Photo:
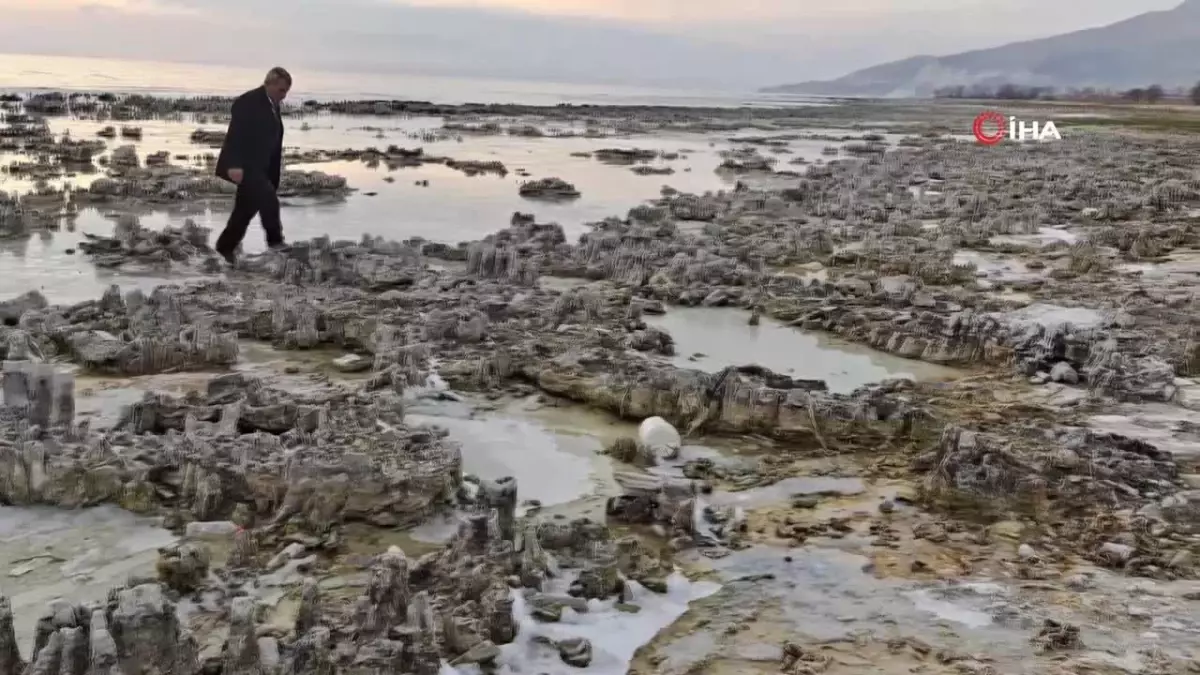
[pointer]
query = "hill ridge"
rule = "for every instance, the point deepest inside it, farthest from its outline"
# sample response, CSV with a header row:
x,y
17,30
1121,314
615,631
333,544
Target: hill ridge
x,y
1160,47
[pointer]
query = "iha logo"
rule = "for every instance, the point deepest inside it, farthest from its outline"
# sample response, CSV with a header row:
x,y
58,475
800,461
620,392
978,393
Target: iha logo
x,y
991,127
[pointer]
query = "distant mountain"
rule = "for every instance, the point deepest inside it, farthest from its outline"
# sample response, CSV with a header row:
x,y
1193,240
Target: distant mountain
x,y
1155,47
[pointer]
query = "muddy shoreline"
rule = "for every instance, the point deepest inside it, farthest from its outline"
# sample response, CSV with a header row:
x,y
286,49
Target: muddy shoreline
x,y
934,400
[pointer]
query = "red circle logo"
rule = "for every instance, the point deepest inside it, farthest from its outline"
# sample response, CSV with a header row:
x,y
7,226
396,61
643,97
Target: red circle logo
x,y
981,124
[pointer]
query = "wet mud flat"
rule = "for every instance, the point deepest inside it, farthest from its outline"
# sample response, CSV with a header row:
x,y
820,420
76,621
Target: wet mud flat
x,y
921,424
879,585
51,553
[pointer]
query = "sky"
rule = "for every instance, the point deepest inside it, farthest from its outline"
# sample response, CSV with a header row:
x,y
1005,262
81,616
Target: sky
x,y
699,44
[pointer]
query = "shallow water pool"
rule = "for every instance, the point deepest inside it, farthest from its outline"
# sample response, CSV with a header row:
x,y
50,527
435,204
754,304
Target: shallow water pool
x,y
712,338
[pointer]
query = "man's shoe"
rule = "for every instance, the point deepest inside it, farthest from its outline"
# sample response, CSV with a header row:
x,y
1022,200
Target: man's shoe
x,y
279,248
229,256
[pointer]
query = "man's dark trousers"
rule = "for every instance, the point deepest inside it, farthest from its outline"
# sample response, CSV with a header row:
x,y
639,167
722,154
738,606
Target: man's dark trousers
x,y
253,144
255,196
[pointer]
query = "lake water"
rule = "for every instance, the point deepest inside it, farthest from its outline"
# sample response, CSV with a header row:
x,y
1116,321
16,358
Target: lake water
x,y
431,200
25,72
712,338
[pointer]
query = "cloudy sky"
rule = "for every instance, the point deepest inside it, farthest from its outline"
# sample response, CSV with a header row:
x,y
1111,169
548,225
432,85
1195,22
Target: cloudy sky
x,y
688,43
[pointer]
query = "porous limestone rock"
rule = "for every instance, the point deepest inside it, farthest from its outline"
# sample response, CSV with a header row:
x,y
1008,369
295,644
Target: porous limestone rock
x,y
310,463
548,188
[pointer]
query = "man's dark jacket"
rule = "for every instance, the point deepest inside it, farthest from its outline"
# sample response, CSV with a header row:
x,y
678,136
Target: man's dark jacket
x,y
254,142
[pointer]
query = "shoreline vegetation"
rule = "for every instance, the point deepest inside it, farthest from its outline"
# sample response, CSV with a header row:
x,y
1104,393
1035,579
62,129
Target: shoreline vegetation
x,y
1150,94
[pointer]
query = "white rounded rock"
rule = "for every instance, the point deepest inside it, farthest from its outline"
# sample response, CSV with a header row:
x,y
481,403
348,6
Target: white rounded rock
x,y
659,436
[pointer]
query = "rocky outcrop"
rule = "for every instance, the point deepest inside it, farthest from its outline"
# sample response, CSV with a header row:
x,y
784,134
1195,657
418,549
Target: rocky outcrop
x,y
126,335
36,210
210,137
183,567
727,402
124,157
43,396
455,605
132,244
13,309
307,463
1069,464
552,189
1119,500
395,157
136,630
898,295
166,184
625,155
11,218
377,298
745,160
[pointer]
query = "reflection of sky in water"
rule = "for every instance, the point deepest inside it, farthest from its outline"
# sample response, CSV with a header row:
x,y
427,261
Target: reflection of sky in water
x,y
453,207
724,338
539,156
551,468
41,262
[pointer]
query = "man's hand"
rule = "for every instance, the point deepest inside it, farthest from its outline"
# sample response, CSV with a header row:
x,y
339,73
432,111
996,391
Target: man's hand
x,y
235,175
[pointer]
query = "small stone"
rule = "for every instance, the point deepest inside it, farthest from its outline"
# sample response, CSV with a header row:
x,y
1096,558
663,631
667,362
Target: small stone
x,y
1123,319
183,567
1182,559
627,607
1065,458
484,652
1009,530
544,600
352,363
1064,373
575,652
805,502
1026,552
1078,582
654,585
1116,553
268,653
216,528
887,506
1055,636
291,551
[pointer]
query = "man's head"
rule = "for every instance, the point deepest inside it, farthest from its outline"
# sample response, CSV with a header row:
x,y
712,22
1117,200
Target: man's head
x,y
278,83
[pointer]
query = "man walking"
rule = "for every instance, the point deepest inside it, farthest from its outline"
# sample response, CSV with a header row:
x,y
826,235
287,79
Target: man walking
x,y
252,158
